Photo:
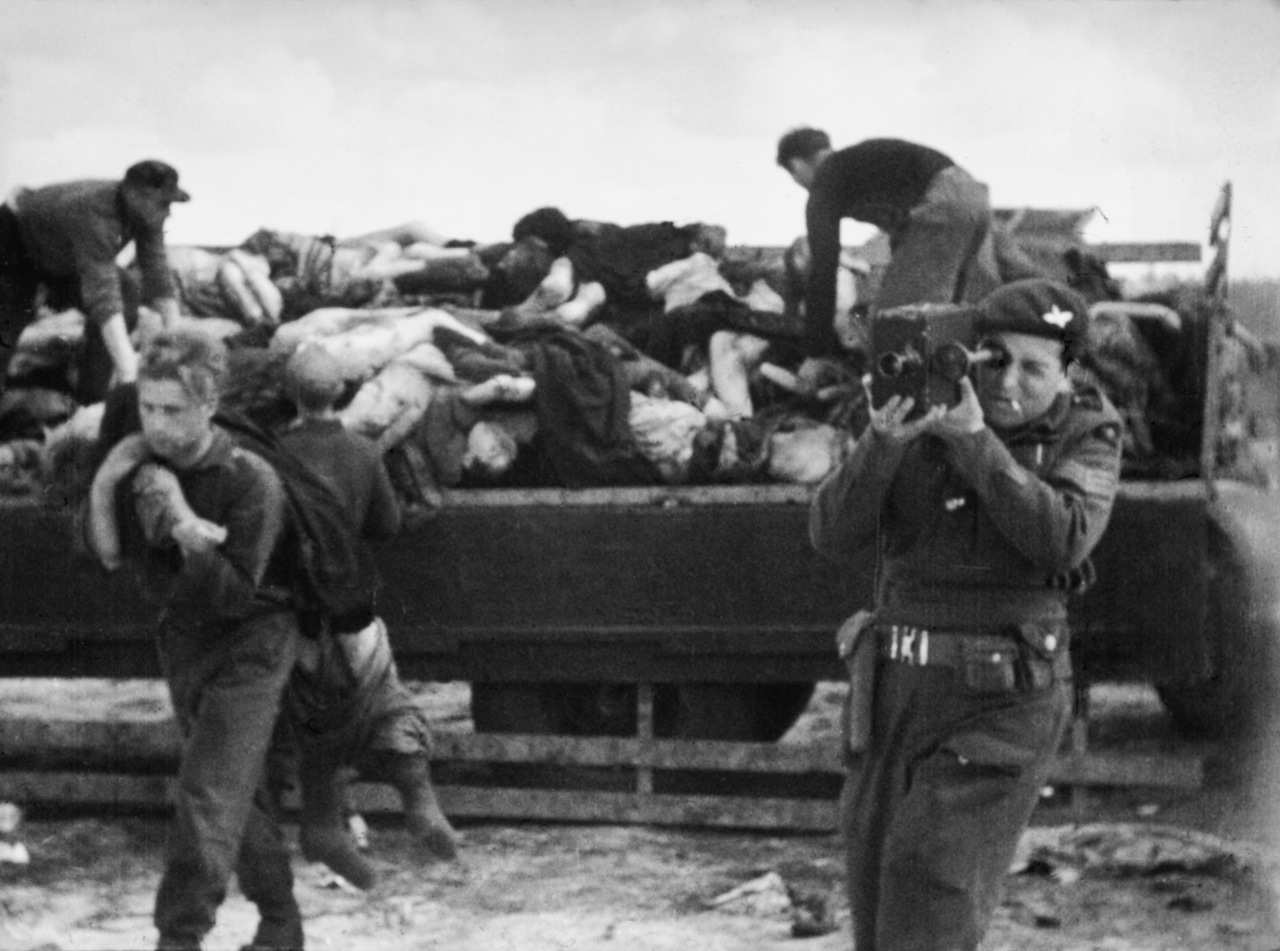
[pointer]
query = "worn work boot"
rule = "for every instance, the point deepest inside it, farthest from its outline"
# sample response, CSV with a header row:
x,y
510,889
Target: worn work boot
x,y
322,834
410,773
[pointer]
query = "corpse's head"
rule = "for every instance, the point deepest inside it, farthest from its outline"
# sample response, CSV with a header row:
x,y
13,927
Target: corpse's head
x,y
490,449
180,380
801,151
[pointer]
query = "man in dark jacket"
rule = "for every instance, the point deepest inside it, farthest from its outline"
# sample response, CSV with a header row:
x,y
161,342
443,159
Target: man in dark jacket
x,y
227,632
984,514
64,238
937,217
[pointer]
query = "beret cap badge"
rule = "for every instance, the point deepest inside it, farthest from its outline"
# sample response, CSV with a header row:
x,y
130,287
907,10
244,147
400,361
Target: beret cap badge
x,y
1058,317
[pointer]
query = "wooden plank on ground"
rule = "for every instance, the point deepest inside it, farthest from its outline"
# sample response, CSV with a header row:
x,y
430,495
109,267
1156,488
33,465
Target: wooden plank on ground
x,y
804,815
134,792
85,789
1164,770
630,751
90,740
104,742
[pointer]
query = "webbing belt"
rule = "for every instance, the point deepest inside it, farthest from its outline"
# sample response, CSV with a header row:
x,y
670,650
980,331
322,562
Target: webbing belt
x,y
919,647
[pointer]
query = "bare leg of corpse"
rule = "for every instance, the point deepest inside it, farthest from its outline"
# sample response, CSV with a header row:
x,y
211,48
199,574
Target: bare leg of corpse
x,y
556,289
397,737
732,357
590,297
411,232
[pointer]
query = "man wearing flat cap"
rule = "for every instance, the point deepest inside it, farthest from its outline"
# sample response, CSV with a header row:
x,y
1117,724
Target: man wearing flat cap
x,y
64,238
983,515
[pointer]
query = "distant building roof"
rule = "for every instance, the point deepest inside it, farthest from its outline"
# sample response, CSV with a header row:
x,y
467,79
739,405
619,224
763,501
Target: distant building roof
x,y
1058,221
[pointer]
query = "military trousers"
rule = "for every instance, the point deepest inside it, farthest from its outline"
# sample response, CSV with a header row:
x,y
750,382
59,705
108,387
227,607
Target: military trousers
x,y
226,696
945,253
932,811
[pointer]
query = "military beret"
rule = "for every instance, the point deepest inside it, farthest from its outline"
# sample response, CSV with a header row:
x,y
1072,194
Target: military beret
x,y
1037,307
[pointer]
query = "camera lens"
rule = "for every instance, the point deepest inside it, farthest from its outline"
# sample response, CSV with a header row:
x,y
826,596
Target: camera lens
x,y
894,365
891,365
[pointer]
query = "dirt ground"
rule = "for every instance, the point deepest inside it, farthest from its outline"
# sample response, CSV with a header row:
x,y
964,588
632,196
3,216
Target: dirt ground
x,y
1127,869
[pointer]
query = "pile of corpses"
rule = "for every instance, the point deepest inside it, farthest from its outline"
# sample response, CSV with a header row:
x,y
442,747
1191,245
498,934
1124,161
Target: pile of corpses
x,y
577,354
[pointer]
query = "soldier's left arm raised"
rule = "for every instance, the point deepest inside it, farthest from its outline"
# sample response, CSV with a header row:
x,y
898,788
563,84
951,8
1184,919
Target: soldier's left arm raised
x,y
1055,514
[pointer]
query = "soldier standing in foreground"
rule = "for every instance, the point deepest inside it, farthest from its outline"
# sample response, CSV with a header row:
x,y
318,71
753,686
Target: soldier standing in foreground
x,y
981,514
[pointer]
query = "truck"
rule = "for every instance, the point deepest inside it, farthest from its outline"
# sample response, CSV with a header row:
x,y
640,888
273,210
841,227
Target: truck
x,y
562,607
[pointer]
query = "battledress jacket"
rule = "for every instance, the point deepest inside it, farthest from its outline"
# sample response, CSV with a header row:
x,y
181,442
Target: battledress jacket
x,y
973,534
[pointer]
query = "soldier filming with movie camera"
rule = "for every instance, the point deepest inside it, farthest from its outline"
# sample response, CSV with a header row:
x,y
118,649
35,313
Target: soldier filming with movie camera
x,y
985,479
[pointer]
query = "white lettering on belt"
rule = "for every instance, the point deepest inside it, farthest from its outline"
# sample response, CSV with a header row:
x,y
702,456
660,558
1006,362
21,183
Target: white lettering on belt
x,y
908,643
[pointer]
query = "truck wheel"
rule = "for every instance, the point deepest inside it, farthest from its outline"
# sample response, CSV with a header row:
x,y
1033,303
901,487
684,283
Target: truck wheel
x,y
1232,701
743,712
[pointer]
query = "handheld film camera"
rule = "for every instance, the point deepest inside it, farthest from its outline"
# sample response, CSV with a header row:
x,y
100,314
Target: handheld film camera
x,y
924,351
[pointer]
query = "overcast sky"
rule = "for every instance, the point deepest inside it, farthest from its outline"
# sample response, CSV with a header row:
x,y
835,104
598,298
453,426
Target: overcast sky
x,y
342,116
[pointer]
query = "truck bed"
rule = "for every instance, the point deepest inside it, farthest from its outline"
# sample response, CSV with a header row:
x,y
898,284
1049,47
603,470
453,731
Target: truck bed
x,y
618,585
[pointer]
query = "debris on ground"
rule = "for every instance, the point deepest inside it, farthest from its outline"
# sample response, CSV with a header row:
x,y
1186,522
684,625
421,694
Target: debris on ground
x,y
12,850
1123,849
771,896
764,897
